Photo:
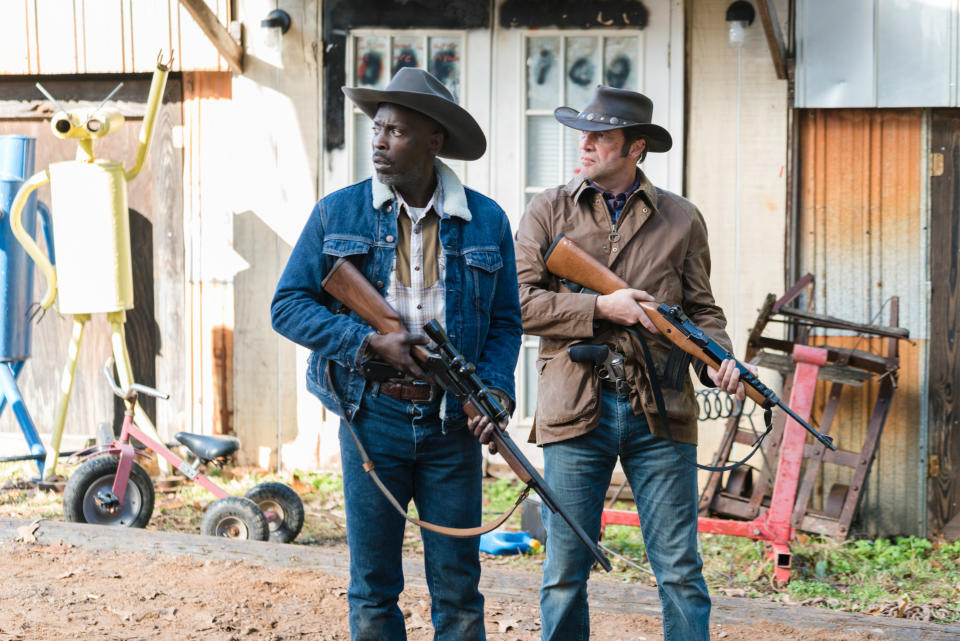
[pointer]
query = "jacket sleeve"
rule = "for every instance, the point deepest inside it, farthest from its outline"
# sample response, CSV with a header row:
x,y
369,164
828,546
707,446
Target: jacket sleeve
x,y
300,309
698,301
547,313
498,358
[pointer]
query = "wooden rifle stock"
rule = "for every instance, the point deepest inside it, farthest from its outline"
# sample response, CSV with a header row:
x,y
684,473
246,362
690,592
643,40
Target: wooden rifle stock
x,y
350,287
569,261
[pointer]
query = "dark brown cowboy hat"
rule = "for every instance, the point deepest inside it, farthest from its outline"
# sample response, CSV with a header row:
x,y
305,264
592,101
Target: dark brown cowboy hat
x,y
612,108
418,90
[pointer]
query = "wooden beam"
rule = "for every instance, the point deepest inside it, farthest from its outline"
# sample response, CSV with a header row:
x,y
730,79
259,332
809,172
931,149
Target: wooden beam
x,y
771,27
231,51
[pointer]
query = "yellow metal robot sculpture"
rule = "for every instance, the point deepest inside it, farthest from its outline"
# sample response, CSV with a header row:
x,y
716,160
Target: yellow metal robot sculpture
x,y
94,271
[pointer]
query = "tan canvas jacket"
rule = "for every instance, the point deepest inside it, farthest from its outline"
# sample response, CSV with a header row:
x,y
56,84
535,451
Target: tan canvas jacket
x,y
660,246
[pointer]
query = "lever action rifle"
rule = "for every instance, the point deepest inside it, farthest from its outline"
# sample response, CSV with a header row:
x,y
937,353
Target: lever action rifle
x,y
569,261
451,371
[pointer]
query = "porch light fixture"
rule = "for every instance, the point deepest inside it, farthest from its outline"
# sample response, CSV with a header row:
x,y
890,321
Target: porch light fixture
x,y
740,15
278,18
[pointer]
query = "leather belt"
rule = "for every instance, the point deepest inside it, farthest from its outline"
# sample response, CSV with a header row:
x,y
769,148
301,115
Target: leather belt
x,y
416,391
621,387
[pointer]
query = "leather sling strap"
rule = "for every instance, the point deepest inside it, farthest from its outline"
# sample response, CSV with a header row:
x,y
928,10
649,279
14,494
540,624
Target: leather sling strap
x,y
662,411
457,532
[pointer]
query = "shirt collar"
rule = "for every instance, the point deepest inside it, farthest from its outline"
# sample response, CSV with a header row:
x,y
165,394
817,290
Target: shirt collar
x,y
580,185
454,195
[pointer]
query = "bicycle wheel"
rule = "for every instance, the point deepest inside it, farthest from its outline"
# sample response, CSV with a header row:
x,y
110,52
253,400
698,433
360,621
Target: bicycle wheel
x,y
282,507
88,486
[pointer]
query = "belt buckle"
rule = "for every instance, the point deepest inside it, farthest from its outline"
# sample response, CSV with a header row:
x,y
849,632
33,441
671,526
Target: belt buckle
x,y
623,387
433,391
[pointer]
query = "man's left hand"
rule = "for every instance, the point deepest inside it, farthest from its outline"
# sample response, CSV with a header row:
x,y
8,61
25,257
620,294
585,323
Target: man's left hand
x,y
727,377
482,428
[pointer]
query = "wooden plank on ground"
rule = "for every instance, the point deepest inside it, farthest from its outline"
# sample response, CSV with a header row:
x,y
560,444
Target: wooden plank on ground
x,y
605,596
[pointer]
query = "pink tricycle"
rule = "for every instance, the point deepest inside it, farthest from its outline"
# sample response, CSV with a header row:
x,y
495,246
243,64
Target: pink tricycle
x,y
110,488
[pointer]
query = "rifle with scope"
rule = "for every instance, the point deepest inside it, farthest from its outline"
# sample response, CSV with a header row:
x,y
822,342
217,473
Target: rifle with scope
x,y
567,260
452,372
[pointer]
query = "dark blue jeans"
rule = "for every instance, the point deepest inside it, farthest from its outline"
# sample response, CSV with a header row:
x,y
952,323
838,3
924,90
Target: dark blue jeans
x,y
665,489
441,473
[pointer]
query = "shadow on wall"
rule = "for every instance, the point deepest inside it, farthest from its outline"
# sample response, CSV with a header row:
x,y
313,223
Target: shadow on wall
x,y
264,363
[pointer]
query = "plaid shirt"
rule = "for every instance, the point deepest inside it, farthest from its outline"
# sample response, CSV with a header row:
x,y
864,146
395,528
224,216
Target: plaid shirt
x,y
416,279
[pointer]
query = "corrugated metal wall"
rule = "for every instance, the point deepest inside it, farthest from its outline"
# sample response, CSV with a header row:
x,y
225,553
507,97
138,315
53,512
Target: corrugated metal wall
x,y
103,36
863,234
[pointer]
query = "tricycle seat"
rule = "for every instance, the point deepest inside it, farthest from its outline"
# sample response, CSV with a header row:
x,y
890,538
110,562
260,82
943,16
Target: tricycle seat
x,y
207,448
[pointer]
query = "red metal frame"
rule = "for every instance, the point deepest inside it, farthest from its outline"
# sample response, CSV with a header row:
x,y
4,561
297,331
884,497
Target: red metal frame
x,y
773,524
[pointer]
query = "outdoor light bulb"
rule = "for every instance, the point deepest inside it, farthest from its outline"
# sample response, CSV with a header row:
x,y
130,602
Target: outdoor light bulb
x,y
736,33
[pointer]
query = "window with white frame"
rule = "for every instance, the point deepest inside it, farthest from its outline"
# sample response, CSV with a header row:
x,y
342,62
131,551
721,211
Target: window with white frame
x,y
563,69
375,56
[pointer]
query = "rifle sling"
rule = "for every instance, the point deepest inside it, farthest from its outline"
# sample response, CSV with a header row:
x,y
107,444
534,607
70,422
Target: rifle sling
x,y
456,532
665,423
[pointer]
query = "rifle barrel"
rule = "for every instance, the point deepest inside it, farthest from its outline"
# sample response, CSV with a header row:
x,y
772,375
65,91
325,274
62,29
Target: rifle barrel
x,y
823,438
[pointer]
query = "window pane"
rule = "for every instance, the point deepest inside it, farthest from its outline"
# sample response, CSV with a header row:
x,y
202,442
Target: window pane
x,y
445,62
371,62
543,73
363,145
582,70
407,52
543,151
620,63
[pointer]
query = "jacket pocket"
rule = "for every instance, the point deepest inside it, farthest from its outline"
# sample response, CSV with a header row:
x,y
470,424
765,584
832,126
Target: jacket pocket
x,y
566,391
340,246
483,266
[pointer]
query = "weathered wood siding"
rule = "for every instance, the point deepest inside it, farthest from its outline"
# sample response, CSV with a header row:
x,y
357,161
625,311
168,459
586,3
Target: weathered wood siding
x,y
863,234
103,36
943,497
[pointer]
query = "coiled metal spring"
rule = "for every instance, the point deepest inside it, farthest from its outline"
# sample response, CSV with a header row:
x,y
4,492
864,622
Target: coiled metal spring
x,y
714,403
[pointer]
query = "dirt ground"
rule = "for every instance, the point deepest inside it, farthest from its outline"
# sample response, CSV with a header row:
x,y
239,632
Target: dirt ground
x,y
54,592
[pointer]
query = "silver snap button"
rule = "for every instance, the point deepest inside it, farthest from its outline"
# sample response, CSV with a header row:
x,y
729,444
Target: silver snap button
x,y
389,207
614,120
379,283
590,116
389,239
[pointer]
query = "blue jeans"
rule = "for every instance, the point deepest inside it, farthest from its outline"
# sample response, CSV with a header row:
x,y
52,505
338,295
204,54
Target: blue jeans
x,y
441,473
665,489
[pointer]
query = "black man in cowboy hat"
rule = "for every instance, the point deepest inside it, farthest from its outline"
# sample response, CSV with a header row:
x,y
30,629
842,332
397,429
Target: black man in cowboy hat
x,y
656,241
435,250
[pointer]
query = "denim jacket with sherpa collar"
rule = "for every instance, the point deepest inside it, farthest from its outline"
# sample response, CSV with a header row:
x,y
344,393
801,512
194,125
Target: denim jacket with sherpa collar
x,y
360,222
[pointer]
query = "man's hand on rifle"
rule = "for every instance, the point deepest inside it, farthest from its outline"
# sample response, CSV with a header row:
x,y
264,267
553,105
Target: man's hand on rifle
x,y
482,428
395,349
623,307
727,377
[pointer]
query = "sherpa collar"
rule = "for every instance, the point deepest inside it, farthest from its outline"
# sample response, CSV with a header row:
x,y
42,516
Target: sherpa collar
x,y
454,201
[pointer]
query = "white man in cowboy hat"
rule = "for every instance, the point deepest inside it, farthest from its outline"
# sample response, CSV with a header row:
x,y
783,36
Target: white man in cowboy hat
x,y
656,241
435,250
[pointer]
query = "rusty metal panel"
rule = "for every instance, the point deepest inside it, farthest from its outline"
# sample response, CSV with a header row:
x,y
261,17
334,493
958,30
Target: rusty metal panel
x,y
862,228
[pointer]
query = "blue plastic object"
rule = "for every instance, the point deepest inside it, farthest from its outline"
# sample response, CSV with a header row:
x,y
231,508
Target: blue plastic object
x,y
507,543
17,155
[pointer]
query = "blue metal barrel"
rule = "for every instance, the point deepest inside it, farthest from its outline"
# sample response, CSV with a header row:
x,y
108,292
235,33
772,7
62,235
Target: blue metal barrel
x,y
17,155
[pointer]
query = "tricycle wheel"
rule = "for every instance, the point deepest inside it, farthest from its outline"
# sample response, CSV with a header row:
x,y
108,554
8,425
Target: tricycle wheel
x,y
235,517
86,497
282,507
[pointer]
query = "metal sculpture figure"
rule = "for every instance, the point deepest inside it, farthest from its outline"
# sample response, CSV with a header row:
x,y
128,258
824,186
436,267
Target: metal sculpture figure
x,y
94,265
17,155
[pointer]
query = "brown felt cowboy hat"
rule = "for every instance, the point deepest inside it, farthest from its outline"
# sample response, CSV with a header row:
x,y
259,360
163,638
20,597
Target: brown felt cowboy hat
x,y
612,108
418,90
